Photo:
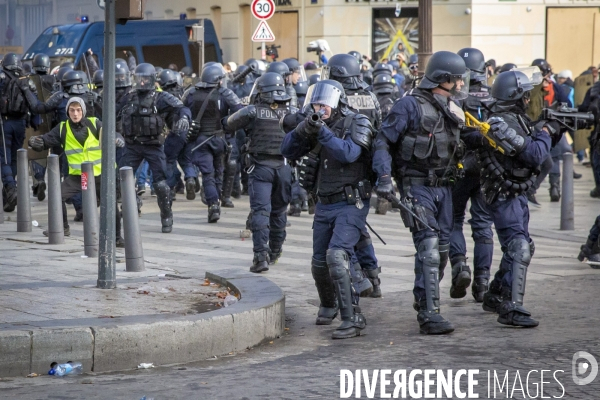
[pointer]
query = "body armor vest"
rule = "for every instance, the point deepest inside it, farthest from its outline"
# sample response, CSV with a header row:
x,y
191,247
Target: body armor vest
x,y
503,174
141,121
211,119
333,175
434,147
474,103
266,135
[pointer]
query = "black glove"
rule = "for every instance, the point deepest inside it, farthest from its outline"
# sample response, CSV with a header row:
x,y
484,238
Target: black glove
x,y
119,142
497,124
183,125
385,187
55,100
36,143
554,130
193,132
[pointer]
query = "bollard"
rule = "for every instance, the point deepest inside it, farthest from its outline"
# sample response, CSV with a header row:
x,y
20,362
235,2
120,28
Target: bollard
x,y
90,210
567,205
134,254
56,228
23,191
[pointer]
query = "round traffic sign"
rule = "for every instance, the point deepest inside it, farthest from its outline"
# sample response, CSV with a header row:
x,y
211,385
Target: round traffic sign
x,y
263,9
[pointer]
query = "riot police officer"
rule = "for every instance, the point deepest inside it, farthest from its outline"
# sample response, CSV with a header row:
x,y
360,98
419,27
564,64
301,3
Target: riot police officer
x,y
141,114
421,135
282,69
342,141
469,188
505,178
209,102
98,81
344,69
269,175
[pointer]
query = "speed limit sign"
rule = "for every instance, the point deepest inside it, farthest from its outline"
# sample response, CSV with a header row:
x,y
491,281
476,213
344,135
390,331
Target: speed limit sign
x,y
262,9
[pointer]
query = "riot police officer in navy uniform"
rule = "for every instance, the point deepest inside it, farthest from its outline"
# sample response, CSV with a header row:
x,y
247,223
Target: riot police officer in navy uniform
x,y
420,145
505,178
469,188
214,102
342,140
141,114
269,174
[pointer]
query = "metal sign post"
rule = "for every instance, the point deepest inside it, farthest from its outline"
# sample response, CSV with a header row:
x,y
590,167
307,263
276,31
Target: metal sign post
x,y
263,10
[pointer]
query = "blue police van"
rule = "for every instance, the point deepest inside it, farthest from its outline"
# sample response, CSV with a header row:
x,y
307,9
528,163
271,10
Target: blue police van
x,y
158,42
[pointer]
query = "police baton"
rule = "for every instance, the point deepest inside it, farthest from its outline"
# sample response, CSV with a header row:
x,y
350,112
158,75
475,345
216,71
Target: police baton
x,y
201,144
398,204
3,137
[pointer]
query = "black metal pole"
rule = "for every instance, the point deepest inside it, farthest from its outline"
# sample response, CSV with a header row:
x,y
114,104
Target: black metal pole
x,y
106,259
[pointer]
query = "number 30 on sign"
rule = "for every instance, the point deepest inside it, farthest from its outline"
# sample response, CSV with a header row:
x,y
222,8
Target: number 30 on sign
x,y
262,9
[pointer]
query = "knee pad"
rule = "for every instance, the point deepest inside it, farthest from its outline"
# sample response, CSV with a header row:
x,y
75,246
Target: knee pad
x,y
337,261
519,250
428,251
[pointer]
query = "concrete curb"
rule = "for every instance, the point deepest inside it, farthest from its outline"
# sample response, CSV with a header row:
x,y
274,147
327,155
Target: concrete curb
x,y
108,345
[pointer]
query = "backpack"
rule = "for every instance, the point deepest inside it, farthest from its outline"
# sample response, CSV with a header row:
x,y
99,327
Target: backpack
x,y
12,101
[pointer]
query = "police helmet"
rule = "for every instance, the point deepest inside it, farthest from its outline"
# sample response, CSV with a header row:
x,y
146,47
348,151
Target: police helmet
x,y
158,71
11,62
382,84
413,59
443,66
507,67
475,62
98,78
326,92
271,88
301,87
313,79
167,77
356,55
253,62
121,61
61,72
542,65
292,64
187,71
381,68
122,75
511,86
73,82
280,68
212,74
41,63
395,64
144,77
68,64
343,66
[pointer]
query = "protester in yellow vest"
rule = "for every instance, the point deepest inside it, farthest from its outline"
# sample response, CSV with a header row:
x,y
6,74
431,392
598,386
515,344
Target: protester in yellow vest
x,y
80,138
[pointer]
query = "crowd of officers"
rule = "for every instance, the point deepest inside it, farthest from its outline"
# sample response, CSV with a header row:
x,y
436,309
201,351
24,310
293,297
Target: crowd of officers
x,y
322,144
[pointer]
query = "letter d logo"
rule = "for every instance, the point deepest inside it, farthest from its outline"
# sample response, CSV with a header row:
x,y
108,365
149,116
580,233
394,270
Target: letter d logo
x,y
580,368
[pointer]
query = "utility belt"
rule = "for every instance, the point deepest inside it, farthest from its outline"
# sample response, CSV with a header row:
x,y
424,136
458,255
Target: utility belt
x,y
13,117
449,178
352,194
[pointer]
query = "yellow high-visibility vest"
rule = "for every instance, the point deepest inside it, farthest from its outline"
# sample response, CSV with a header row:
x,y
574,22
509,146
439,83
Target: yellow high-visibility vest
x,y
76,153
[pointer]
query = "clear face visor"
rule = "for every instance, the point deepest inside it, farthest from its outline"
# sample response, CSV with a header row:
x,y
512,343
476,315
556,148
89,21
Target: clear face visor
x,y
460,86
325,72
322,94
78,89
302,74
179,80
143,82
534,74
122,80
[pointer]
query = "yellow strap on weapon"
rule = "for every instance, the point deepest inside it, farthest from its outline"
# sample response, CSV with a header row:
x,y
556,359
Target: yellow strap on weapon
x,y
483,128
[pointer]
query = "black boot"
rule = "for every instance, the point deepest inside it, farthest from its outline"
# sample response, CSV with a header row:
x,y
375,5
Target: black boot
x,y
362,285
461,277
304,206
274,255
190,189
164,203
590,253
328,309
492,298
373,276
479,288
352,319
214,213
295,208
531,198
554,187
260,263
512,313
41,190
227,203
78,215
595,193
10,201
382,206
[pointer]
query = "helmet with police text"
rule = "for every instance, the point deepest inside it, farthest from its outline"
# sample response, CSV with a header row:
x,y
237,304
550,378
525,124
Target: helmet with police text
x,y
41,63
212,74
167,78
511,86
326,92
447,67
271,88
98,79
475,62
542,65
11,62
382,84
144,77
74,82
280,68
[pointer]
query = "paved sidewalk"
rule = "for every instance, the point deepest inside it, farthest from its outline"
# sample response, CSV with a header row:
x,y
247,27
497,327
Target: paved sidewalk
x,y
305,362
